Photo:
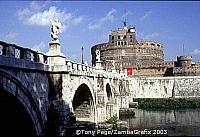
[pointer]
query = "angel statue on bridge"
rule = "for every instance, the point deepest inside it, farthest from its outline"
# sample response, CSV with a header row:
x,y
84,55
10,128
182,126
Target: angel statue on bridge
x,y
55,29
97,55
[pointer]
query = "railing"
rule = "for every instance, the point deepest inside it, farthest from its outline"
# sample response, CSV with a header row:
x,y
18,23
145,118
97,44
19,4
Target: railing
x,y
78,67
12,50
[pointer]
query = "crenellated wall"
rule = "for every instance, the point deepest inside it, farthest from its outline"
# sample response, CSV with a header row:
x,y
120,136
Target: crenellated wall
x,y
164,87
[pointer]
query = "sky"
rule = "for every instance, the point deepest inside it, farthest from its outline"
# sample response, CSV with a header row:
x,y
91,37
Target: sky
x,y
87,23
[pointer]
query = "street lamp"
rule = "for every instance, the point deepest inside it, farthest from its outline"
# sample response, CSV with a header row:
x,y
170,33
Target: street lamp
x,y
82,55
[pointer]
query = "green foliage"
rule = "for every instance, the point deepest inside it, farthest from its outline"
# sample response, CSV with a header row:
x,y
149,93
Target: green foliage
x,y
112,120
168,103
115,124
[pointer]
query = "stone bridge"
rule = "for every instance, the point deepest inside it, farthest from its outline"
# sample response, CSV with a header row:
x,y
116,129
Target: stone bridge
x,y
43,92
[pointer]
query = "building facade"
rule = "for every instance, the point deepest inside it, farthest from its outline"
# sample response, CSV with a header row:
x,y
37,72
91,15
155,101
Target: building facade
x,y
124,51
145,58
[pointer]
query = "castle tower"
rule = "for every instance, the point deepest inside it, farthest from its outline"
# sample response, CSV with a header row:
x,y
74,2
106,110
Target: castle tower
x,y
123,37
184,61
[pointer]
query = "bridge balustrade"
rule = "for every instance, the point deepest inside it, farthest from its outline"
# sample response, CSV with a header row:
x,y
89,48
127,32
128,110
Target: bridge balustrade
x,y
12,50
79,66
79,69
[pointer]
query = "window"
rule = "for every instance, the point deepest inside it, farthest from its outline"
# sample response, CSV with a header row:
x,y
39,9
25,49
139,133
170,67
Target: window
x,y
125,43
152,44
124,36
131,36
118,42
122,43
118,37
112,41
112,37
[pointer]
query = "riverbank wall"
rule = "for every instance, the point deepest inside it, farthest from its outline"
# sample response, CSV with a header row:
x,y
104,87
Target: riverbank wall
x,y
164,87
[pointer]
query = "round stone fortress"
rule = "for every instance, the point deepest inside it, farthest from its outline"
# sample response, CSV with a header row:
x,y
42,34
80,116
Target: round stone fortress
x,y
124,51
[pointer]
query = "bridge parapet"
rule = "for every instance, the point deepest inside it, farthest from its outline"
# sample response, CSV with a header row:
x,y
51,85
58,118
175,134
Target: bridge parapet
x,y
14,51
74,68
79,68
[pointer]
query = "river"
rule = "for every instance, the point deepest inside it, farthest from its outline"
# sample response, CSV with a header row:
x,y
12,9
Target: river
x,y
184,122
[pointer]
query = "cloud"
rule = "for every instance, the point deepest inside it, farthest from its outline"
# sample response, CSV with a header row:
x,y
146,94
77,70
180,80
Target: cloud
x,y
35,6
99,22
39,47
78,20
38,15
152,35
146,15
126,14
11,35
196,52
43,18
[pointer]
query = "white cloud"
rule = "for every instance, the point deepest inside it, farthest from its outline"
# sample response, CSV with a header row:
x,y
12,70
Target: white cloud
x,y
196,52
99,22
126,14
39,47
78,20
37,15
11,35
146,15
152,35
22,13
35,6
43,18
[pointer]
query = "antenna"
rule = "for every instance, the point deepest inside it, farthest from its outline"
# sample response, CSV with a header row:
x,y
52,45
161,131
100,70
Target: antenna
x,y
183,50
125,20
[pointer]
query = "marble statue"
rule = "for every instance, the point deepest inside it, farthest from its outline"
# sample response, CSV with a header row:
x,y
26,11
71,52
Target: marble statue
x,y
113,64
97,55
55,29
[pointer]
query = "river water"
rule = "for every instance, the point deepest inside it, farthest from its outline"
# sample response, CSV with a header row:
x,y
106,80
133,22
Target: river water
x,y
184,122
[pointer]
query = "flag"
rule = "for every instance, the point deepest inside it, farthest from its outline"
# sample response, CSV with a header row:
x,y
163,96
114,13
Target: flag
x,y
129,71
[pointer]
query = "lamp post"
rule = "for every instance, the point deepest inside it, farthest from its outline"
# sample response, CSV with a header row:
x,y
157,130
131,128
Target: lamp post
x,y
82,55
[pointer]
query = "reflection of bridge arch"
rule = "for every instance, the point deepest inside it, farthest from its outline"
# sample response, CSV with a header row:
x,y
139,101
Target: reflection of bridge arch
x,y
84,103
19,97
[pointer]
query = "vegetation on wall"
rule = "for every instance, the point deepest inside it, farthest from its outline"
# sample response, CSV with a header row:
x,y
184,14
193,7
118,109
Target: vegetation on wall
x,y
168,103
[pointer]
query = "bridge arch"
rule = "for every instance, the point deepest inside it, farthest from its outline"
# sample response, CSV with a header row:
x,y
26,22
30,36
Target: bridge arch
x,y
13,92
108,91
84,102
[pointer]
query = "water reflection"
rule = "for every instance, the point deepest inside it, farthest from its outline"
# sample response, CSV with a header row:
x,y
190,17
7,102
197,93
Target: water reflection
x,y
185,122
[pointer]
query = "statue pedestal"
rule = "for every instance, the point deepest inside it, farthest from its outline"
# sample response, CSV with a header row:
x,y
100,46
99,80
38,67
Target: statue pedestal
x,y
54,46
54,55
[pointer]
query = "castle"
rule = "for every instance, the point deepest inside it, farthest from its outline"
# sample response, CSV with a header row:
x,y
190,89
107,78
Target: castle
x,y
123,52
